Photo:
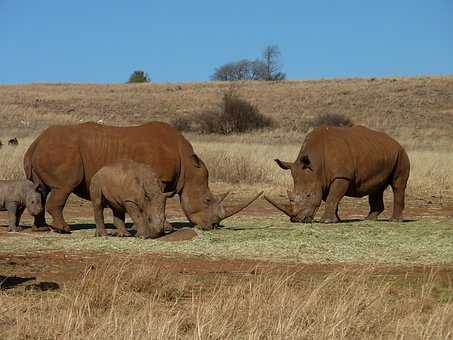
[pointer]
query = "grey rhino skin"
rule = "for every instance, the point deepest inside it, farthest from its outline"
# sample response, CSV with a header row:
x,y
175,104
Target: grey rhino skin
x,y
132,187
15,196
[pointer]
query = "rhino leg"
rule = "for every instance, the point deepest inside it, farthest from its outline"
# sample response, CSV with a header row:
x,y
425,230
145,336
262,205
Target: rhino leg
x,y
399,190
55,205
338,189
99,219
100,226
376,201
97,200
14,214
40,223
119,217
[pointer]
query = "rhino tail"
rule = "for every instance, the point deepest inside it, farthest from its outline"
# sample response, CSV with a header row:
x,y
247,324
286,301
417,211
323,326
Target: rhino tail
x,y
27,159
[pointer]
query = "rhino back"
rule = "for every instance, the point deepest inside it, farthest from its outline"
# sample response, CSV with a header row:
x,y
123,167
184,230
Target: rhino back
x,y
14,191
125,180
366,157
86,148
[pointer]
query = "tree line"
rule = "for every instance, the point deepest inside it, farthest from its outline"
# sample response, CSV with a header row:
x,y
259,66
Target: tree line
x,y
267,68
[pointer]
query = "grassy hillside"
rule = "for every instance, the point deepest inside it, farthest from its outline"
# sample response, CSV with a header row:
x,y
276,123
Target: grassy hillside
x,y
414,109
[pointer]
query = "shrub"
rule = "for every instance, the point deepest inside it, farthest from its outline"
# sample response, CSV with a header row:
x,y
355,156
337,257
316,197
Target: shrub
x,y
182,123
330,119
235,115
139,77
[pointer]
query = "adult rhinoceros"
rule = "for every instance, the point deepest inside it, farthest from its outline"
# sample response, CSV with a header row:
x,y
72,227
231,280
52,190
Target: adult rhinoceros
x,y
351,161
63,159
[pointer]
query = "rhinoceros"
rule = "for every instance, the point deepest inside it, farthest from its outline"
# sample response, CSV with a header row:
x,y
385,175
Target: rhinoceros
x,y
63,159
132,187
15,196
345,161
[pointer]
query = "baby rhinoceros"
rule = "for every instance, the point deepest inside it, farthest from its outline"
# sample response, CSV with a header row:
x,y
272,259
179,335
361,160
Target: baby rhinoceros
x,y
15,196
132,187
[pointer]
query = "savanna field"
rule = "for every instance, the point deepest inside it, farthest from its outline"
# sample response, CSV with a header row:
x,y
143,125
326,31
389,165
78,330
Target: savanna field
x,y
260,276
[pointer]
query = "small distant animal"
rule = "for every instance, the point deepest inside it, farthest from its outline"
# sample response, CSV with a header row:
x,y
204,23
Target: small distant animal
x,y
132,187
15,196
13,142
1,144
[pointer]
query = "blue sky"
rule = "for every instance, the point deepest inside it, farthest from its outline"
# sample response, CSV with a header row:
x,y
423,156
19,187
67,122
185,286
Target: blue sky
x,y
102,41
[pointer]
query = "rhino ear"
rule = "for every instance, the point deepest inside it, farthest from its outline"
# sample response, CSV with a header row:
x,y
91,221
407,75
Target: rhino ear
x,y
134,202
196,161
284,165
306,163
39,188
147,196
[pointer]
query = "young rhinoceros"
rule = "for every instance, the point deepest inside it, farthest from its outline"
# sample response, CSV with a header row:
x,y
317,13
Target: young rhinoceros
x,y
132,187
15,196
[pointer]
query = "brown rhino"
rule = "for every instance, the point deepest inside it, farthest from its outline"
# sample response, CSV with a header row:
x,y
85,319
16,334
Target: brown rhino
x,y
63,159
132,187
353,161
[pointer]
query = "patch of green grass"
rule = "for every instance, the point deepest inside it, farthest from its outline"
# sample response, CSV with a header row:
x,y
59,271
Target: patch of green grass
x,y
425,241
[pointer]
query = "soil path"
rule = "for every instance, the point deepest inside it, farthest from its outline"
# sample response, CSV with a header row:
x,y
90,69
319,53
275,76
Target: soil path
x,y
63,267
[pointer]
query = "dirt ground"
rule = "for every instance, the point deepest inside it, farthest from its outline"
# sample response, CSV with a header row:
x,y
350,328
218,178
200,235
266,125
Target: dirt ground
x,y
21,270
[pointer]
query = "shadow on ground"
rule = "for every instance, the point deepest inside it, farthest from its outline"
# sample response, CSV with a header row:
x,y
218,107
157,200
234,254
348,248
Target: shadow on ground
x,y
9,282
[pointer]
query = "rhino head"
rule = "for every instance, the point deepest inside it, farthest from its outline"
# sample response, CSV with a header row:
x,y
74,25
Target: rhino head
x,y
305,198
33,199
199,204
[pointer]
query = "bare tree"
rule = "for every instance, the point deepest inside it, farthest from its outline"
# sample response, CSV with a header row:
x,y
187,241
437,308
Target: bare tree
x,y
267,68
240,70
271,59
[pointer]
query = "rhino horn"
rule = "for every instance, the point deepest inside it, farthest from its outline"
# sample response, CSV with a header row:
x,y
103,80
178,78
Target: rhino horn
x,y
286,208
221,197
234,209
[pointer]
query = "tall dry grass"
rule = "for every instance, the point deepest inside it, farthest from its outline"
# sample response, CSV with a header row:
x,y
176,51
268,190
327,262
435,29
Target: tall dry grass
x,y
251,163
12,159
130,300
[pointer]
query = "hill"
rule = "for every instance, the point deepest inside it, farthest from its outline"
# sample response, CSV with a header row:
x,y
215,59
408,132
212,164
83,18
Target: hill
x,y
416,110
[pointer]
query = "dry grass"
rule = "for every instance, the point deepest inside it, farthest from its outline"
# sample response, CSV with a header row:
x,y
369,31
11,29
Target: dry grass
x,y
420,241
248,162
135,300
12,159
414,109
